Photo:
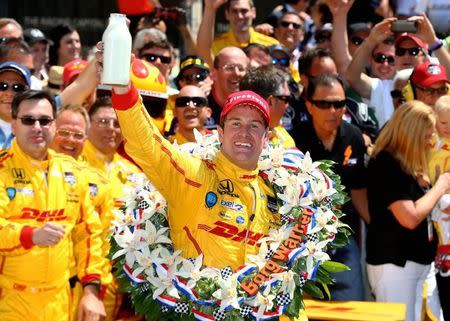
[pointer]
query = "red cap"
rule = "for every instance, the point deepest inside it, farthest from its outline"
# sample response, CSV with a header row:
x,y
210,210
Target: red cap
x,y
417,40
246,97
427,74
72,69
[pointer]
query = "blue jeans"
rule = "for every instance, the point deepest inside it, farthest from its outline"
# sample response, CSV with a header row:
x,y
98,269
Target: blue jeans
x,y
349,284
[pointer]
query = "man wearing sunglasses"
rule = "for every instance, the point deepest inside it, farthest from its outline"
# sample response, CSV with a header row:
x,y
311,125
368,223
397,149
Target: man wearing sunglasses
x,y
327,136
14,79
47,222
194,71
191,111
159,53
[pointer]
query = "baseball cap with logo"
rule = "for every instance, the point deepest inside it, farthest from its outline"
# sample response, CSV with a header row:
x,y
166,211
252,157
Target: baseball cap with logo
x,y
34,35
72,69
248,98
428,73
17,68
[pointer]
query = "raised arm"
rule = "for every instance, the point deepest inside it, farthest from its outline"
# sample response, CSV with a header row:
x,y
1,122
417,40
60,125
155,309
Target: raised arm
x,y
426,31
339,37
82,87
355,74
205,34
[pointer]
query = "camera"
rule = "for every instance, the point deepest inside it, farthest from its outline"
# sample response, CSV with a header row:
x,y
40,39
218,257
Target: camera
x,y
165,14
404,26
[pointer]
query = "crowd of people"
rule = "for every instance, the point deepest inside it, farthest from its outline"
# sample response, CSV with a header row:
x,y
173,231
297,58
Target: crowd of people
x,y
370,96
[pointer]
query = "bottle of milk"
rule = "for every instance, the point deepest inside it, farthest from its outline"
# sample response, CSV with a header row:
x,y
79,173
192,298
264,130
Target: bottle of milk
x,y
116,51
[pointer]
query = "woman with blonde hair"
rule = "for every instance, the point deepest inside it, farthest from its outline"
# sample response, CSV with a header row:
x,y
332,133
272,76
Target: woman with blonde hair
x,y
400,239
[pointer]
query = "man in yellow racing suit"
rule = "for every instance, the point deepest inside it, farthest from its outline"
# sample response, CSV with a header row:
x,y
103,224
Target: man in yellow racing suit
x,y
44,203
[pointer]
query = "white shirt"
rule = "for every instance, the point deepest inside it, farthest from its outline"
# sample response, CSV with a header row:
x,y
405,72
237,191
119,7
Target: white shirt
x,y
381,100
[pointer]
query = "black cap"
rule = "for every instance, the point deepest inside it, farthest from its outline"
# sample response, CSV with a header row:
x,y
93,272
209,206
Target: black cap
x,y
33,35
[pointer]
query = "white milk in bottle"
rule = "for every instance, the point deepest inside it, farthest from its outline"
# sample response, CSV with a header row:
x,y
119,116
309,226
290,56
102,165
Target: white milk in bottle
x,y
116,51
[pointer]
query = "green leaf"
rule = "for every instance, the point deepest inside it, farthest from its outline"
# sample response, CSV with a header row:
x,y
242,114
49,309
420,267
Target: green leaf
x,y
333,267
313,290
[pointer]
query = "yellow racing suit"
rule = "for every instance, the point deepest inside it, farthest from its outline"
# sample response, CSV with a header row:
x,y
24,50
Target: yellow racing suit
x,y
34,279
282,137
119,172
215,208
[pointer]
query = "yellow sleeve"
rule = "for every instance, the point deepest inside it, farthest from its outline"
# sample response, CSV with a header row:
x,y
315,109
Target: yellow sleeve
x,y
163,164
15,238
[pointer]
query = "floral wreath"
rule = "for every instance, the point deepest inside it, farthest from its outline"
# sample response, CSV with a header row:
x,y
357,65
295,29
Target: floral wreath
x,y
291,259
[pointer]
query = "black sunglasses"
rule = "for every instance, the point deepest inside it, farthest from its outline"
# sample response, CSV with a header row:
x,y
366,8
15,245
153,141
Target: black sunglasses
x,y
414,51
30,121
356,40
152,58
18,88
382,58
195,77
196,101
286,24
396,93
282,61
325,104
322,37
284,98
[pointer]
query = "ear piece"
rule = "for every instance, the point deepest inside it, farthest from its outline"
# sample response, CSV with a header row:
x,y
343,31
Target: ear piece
x,y
408,92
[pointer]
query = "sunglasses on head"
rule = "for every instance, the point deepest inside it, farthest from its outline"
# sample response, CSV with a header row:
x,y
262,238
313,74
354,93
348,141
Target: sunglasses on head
x,y
195,77
18,88
186,101
382,58
286,24
30,121
325,104
414,51
282,61
356,40
152,58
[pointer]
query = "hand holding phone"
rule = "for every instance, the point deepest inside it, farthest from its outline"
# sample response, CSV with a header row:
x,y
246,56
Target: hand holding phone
x,y
404,26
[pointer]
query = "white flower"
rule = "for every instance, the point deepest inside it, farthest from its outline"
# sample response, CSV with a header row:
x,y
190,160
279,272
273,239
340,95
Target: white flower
x,y
314,253
145,260
260,258
323,221
307,165
194,272
276,237
264,301
129,243
163,282
151,236
287,282
227,294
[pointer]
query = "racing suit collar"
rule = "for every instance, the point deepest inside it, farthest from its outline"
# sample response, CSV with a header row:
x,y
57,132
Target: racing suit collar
x,y
29,162
233,171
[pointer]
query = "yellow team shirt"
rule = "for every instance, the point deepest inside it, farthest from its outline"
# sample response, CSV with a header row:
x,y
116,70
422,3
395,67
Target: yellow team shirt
x,y
228,39
282,137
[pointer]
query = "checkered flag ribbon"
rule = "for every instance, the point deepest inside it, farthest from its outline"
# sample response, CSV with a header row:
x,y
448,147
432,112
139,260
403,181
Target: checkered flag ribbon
x,y
312,237
245,310
269,254
144,288
283,299
226,272
143,204
181,307
302,280
164,309
219,315
284,218
147,187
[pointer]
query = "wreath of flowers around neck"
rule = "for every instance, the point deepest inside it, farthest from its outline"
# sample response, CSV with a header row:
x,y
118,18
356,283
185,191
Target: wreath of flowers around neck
x,y
291,260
